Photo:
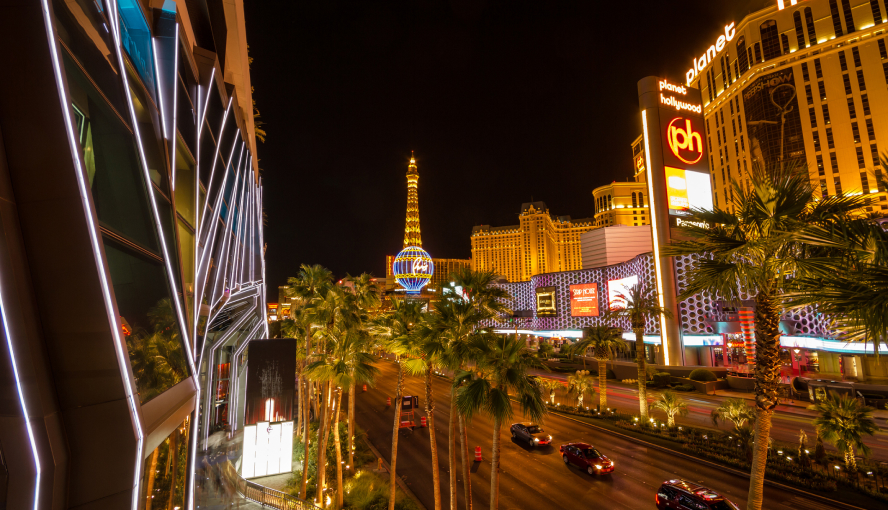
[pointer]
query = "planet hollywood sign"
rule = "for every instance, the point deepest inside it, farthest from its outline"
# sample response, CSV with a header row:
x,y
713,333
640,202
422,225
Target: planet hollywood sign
x,y
704,60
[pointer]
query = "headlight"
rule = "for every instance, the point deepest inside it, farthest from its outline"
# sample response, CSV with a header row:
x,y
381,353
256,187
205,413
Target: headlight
x,y
613,463
549,438
536,440
597,466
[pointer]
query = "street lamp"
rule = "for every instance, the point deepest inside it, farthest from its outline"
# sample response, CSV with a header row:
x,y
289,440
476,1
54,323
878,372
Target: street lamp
x,y
798,358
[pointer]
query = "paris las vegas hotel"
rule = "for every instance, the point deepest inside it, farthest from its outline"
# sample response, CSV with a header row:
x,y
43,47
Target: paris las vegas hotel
x,y
813,70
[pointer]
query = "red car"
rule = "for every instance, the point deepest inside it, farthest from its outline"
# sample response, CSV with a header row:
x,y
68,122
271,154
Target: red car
x,y
684,495
587,457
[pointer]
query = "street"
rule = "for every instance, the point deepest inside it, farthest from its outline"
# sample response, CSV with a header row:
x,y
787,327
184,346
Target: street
x,y
536,478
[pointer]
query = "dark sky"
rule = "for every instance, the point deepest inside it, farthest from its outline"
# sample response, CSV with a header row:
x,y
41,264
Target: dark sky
x,y
503,101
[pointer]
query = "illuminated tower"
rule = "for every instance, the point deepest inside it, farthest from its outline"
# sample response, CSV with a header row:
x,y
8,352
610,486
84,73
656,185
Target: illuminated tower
x,y
412,235
413,267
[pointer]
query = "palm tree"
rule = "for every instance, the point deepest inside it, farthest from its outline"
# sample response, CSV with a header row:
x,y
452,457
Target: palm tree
x,y
843,421
604,342
393,329
580,384
502,368
753,252
638,305
551,385
734,410
671,404
311,283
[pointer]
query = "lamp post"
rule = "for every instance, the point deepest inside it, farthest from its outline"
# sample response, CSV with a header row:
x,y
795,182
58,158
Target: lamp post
x,y
798,358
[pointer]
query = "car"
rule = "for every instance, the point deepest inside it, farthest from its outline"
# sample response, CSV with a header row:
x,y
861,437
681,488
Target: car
x,y
684,495
586,457
533,434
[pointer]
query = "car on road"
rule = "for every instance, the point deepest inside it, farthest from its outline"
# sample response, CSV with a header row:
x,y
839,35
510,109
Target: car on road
x,y
531,433
586,457
684,495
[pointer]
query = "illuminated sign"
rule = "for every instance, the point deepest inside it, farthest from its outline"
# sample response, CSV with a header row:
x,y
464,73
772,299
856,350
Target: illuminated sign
x,y
413,268
686,190
546,302
584,300
685,143
710,54
618,290
673,102
781,4
268,449
639,162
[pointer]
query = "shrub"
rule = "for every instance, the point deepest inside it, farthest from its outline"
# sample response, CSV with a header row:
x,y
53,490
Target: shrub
x,y
684,387
662,378
702,375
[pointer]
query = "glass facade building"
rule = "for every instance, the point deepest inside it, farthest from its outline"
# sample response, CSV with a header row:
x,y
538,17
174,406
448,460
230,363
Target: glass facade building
x,y
131,260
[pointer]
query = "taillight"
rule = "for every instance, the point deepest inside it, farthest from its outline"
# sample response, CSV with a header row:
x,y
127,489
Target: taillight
x,y
657,498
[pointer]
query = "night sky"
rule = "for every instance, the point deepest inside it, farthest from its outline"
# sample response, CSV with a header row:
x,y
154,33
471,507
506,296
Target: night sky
x,y
503,102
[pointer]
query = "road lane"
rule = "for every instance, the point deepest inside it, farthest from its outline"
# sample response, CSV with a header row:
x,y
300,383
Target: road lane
x,y
536,478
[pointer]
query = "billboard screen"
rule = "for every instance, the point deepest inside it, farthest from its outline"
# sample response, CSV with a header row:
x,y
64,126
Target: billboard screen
x,y
271,380
687,190
773,120
546,303
584,300
617,289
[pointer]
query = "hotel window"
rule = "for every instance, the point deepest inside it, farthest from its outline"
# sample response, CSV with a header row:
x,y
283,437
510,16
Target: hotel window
x,y
728,67
849,19
885,70
733,128
825,113
874,151
822,88
818,71
758,52
800,33
829,139
741,54
847,80
812,31
634,200
719,134
731,104
860,162
843,62
805,74
820,165
883,52
737,68
860,82
641,200
877,12
722,111
856,53
869,129
864,182
816,135
866,107
837,181
834,162
823,191
770,40
880,182
808,94
851,110
856,132
742,145
736,149
709,85
785,42
837,21
724,72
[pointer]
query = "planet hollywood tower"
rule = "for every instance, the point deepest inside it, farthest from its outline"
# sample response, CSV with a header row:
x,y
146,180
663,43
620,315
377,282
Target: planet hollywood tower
x,y
413,267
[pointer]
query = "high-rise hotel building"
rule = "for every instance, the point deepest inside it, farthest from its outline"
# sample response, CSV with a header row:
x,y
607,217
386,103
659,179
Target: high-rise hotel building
x,y
624,203
804,81
540,243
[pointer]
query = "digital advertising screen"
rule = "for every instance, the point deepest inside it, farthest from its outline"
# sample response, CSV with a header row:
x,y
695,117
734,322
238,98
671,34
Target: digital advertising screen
x,y
546,302
618,289
687,190
773,119
584,300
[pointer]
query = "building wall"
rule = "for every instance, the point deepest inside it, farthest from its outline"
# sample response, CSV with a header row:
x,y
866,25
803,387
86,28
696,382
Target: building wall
x,y
540,243
838,125
612,245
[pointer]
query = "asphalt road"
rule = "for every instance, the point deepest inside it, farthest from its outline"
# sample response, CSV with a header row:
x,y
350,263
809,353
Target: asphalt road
x,y
785,426
536,478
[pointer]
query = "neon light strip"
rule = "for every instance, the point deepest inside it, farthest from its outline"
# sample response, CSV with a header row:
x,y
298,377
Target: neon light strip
x,y
94,236
222,271
262,251
159,91
655,235
216,160
207,105
209,241
175,105
25,415
237,230
197,250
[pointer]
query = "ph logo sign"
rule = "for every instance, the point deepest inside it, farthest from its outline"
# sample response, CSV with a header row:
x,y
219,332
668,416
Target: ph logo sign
x,y
685,143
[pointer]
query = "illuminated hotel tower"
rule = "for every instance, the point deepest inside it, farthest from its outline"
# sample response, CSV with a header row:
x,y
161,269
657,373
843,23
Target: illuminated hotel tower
x,y
412,236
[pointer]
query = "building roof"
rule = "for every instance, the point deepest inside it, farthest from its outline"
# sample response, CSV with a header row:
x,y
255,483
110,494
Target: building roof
x,y
539,206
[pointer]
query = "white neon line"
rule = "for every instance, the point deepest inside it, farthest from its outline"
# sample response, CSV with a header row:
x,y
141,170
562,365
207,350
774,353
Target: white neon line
x,y
248,224
25,415
222,271
159,91
235,248
262,252
210,241
216,158
197,251
175,105
656,242
207,105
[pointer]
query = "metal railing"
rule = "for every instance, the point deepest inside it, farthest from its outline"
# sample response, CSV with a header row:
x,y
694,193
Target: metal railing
x,y
265,496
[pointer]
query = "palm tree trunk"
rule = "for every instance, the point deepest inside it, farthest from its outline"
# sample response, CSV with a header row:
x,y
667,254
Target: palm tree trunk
x,y
850,461
494,465
430,414
602,384
452,431
464,447
305,438
339,488
323,432
642,374
174,454
759,460
767,381
392,476
351,425
152,471
299,430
